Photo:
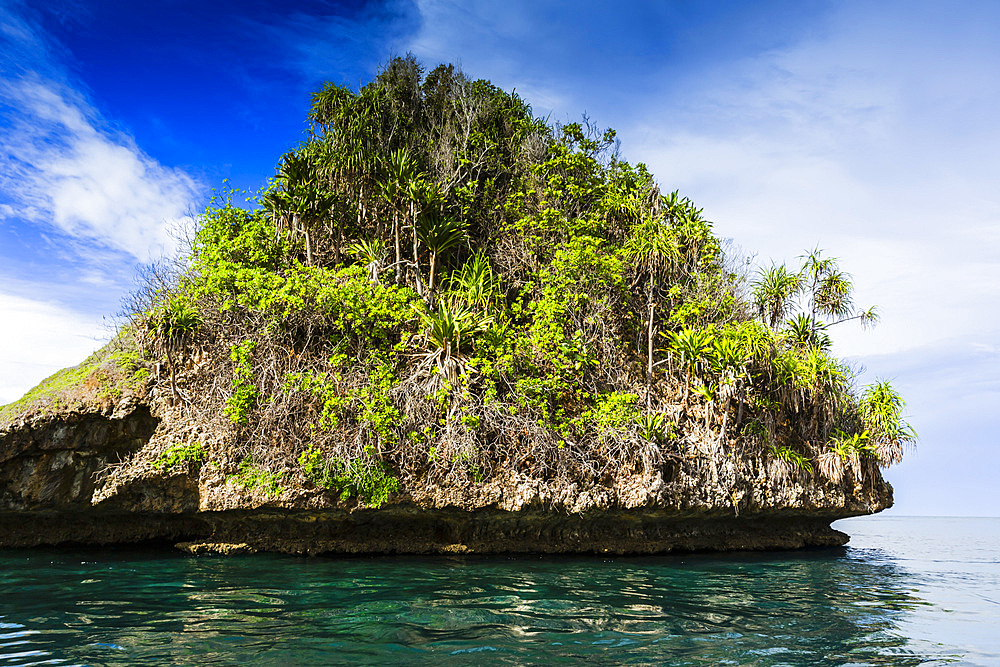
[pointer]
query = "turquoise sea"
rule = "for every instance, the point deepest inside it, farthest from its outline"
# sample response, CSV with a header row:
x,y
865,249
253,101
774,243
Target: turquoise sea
x,y
906,591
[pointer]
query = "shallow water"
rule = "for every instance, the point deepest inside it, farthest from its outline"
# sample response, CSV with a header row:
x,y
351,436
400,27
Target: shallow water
x,y
907,591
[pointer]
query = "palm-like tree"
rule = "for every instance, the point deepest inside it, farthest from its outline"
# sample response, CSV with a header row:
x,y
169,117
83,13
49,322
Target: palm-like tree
x,y
328,106
347,127
881,411
654,251
171,325
774,293
692,345
423,196
806,332
846,452
828,287
372,254
729,360
791,379
448,327
830,291
440,234
399,180
299,199
475,283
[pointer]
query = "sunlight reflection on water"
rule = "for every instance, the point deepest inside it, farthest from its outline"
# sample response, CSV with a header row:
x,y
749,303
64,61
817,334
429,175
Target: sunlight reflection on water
x,y
877,602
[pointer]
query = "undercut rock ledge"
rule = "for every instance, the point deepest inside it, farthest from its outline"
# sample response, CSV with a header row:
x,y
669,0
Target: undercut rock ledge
x,y
84,479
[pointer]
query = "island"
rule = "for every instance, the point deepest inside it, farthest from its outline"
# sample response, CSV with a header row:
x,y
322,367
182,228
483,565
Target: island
x,y
449,326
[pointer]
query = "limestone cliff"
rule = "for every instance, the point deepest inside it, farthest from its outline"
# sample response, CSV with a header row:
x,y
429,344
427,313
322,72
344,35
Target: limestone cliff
x,y
85,476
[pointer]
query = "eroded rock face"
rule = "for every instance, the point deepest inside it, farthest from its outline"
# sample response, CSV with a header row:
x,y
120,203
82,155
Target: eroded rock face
x,y
51,462
56,488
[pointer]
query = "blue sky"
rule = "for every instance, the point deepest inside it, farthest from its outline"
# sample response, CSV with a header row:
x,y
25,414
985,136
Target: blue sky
x,y
866,128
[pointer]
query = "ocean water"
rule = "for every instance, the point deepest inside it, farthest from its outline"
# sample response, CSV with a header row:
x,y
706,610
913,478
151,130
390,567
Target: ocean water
x,y
907,591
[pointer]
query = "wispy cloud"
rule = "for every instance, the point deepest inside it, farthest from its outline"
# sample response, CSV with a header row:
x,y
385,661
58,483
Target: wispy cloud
x,y
866,130
64,168
67,169
80,204
871,136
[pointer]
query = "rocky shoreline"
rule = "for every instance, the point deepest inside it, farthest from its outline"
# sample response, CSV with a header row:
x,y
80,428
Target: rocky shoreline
x,y
82,478
416,530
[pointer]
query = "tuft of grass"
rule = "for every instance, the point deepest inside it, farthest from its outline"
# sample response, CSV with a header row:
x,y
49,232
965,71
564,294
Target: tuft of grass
x,y
365,477
62,389
105,375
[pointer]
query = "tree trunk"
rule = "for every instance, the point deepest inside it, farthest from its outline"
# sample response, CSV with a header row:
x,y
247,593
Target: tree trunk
x,y
725,421
649,357
337,257
361,208
173,376
395,233
739,409
416,249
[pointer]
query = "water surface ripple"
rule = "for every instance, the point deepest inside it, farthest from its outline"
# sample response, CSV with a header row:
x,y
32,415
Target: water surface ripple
x,y
857,606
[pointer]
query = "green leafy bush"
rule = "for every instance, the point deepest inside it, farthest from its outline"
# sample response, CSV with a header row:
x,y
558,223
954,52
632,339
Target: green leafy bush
x,y
190,455
364,477
249,476
244,392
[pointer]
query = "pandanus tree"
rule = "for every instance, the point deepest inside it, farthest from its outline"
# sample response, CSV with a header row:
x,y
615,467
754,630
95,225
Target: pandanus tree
x,y
328,106
347,126
692,345
299,199
475,283
846,452
450,328
171,326
400,175
462,311
654,251
424,198
440,234
804,332
827,291
372,253
881,411
830,292
774,293
729,361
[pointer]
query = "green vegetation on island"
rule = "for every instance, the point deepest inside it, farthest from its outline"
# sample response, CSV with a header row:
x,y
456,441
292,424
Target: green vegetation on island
x,y
439,288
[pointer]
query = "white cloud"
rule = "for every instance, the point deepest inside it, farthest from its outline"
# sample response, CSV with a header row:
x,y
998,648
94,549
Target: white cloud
x,y
873,137
56,336
81,203
868,129
64,170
